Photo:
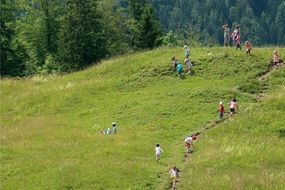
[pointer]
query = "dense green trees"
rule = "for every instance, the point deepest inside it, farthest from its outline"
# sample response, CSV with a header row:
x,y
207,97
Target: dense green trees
x,y
81,39
146,29
262,21
46,36
13,54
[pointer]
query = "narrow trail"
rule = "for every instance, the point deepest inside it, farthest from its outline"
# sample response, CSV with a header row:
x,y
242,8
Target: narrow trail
x,y
214,123
271,70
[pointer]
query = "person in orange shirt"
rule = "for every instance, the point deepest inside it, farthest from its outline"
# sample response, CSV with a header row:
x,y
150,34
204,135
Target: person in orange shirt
x,y
247,47
275,58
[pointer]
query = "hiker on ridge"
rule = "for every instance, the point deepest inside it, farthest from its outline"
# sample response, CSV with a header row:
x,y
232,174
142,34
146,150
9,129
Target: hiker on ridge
x,y
227,35
186,50
247,47
236,37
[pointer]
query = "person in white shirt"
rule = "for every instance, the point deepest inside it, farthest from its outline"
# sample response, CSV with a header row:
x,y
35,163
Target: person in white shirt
x,y
186,51
158,152
114,128
189,143
174,176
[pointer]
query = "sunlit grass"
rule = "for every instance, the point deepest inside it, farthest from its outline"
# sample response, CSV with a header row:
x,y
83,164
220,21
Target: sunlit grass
x,y
50,126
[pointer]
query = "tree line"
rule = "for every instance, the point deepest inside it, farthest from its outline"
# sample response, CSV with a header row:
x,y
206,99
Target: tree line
x,y
48,36
262,21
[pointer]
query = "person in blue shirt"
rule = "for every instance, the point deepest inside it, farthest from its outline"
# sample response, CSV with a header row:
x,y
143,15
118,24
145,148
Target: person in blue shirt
x,y
179,70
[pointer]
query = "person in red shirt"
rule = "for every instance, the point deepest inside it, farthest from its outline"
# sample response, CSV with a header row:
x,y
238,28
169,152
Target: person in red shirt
x,y
221,110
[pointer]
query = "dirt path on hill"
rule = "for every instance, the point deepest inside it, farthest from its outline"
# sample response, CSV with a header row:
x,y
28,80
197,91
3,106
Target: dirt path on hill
x,y
271,70
258,97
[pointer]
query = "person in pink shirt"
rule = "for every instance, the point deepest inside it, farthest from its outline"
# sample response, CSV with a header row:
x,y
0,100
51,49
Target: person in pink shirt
x,y
236,37
233,107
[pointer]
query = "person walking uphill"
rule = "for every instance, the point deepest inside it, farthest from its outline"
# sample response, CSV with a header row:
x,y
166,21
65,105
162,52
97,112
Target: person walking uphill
x,y
233,107
189,143
158,152
236,37
275,58
189,65
221,111
174,176
186,51
227,35
179,69
174,62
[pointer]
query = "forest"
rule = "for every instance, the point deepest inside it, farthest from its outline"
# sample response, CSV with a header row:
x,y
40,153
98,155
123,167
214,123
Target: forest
x,y
54,36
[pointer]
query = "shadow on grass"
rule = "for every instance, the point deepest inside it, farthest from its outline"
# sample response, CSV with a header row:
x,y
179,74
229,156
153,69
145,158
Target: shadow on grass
x,y
281,133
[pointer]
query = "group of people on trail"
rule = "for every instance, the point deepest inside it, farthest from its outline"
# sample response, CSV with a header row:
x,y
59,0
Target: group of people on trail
x,y
236,37
233,108
174,171
176,64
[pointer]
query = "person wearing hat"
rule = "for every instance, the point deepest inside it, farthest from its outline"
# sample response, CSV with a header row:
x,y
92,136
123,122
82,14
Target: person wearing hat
x,y
247,47
226,35
221,111
114,128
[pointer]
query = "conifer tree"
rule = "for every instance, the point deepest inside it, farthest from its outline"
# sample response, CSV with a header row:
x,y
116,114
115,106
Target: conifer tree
x,y
146,30
82,39
13,54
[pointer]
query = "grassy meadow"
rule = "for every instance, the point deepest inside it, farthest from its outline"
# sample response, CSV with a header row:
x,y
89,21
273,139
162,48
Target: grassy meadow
x,y
50,125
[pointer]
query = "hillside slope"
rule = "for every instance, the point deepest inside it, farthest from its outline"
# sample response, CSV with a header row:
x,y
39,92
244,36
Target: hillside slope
x,y
50,126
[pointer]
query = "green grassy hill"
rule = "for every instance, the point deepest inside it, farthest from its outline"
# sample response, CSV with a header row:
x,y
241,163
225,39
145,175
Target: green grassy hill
x,y
50,126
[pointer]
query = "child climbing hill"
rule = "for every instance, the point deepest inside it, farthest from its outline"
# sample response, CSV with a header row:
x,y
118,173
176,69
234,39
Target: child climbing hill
x,y
233,107
221,111
179,69
275,58
158,151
